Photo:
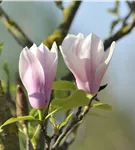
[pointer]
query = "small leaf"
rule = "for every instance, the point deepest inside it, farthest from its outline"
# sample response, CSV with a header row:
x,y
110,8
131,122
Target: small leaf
x,y
53,121
113,24
51,113
12,120
76,99
33,112
113,11
102,87
65,121
63,85
102,106
54,124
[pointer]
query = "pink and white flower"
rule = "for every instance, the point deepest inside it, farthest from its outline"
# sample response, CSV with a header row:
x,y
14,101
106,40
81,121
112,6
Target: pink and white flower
x,y
86,59
37,68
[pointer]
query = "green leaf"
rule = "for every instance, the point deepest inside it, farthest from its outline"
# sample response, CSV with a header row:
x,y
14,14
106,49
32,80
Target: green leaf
x,y
102,106
53,121
33,112
51,113
76,99
115,10
63,85
65,121
113,24
12,120
61,93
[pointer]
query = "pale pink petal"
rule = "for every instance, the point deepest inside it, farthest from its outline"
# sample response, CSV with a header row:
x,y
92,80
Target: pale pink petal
x,y
109,53
77,44
102,69
38,100
83,85
92,50
74,64
49,61
98,78
51,73
80,36
30,70
34,49
46,57
86,59
69,42
32,75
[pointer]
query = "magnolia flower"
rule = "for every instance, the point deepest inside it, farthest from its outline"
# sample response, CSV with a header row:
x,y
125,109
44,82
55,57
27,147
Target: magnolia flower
x,y
37,68
86,59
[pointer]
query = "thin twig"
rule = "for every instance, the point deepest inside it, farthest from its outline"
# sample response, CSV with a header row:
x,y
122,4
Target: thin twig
x,y
68,16
126,18
124,30
47,138
79,110
73,123
15,30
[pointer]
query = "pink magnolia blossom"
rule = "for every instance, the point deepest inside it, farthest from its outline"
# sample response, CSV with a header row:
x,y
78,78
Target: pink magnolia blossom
x,y
37,68
86,59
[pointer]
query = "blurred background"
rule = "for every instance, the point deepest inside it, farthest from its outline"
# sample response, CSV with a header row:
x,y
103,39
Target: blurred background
x,y
116,129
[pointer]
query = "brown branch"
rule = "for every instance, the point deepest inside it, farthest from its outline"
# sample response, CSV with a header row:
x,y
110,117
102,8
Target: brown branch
x,y
124,30
68,16
58,35
74,122
15,30
59,4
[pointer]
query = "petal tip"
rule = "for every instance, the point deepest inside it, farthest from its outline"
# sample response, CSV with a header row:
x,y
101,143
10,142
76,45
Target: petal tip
x,y
110,53
54,47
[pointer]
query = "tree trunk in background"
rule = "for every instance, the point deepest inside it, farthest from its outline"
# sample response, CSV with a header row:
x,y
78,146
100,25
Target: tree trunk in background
x,y
9,136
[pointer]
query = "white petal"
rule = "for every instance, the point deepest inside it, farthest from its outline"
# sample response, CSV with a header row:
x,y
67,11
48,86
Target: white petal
x,y
47,57
98,78
92,50
49,62
77,44
80,35
102,68
68,42
33,49
75,64
109,53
